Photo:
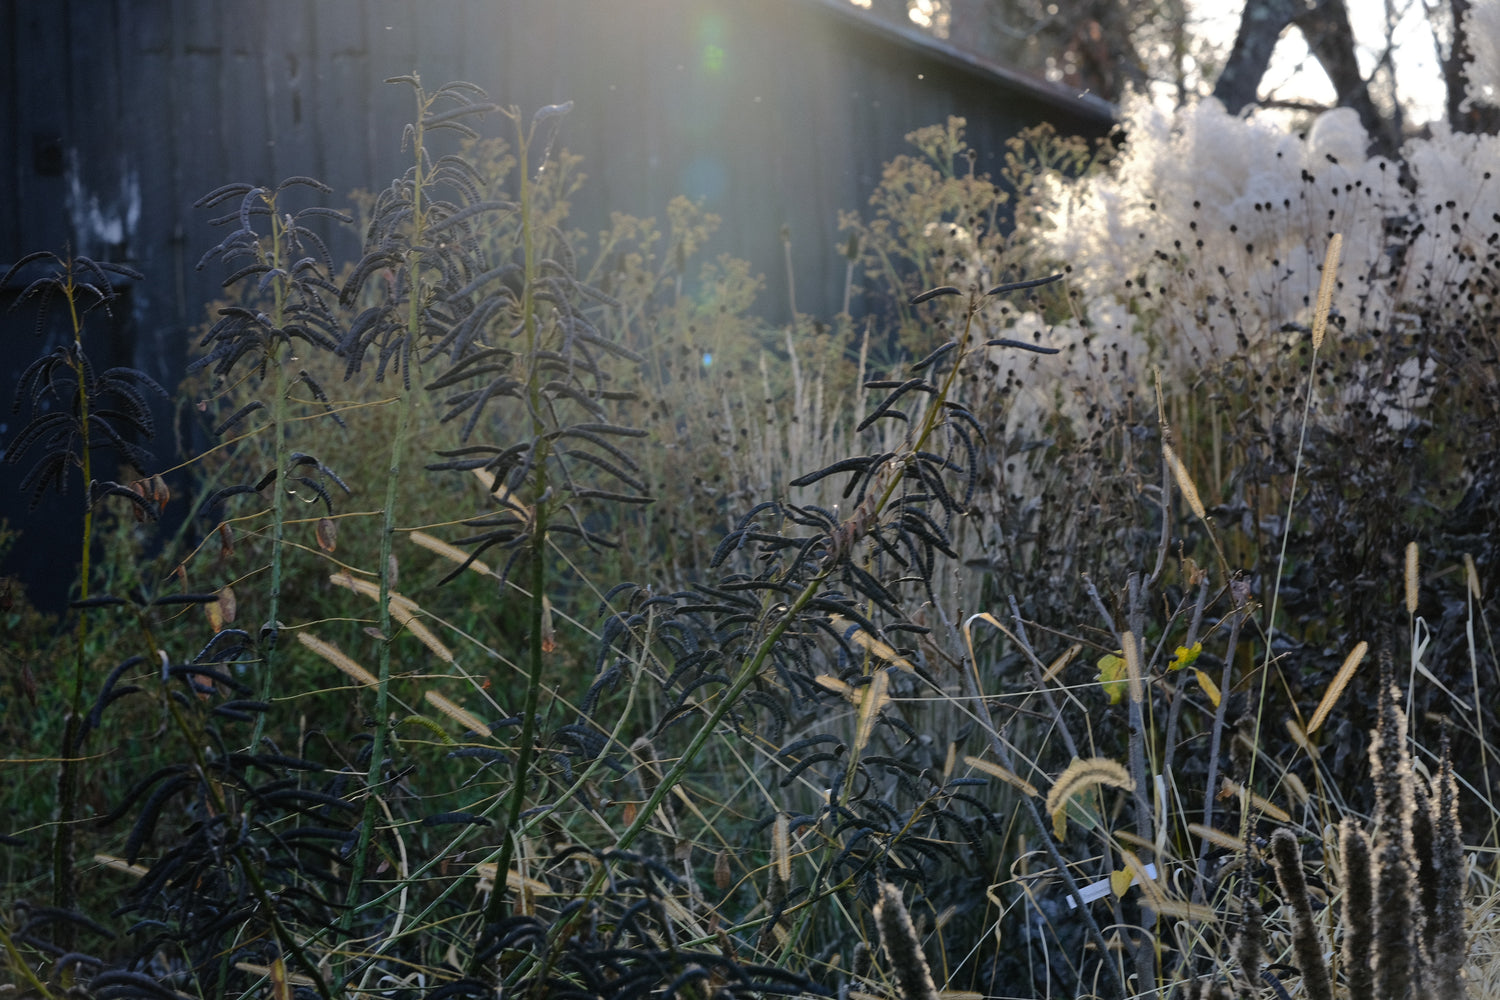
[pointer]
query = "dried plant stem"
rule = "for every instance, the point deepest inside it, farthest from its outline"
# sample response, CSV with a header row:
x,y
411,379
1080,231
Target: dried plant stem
x,y
1319,325
1175,713
440,857
1215,748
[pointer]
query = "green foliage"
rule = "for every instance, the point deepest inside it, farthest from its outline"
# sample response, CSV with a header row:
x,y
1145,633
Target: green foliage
x,y
905,655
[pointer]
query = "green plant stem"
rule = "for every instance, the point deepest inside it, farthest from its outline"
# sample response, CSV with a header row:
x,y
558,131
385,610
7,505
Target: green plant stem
x,y
753,666
581,779
64,893
536,543
21,969
248,864
375,776
495,910
279,420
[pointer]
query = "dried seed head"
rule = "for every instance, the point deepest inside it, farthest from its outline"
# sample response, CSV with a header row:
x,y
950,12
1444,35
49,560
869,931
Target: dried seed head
x,y
1184,481
335,656
1351,663
1412,578
904,951
1286,858
1248,949
1448,939
1396,933
1326,287
1358,909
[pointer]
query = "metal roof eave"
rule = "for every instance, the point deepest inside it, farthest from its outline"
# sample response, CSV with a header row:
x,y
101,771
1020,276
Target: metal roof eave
x,y
1087,106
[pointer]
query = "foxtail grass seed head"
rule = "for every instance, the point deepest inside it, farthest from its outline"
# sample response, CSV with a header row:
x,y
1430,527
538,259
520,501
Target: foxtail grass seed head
x,y
1307,945
337,657
860,961
1075,778
1412,578
781,849
903,950
1184,481
1132,653
1340,680
1005,774
1326,286
462,716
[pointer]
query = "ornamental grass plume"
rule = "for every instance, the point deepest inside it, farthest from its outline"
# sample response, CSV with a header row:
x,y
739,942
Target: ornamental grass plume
x,y
1205,238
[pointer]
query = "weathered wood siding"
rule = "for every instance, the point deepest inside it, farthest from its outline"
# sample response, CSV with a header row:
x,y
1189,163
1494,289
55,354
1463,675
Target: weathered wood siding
x,y
116,115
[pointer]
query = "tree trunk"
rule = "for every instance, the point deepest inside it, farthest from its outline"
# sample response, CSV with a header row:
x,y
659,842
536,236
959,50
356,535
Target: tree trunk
x,y
1483,119
1261,25
1331,40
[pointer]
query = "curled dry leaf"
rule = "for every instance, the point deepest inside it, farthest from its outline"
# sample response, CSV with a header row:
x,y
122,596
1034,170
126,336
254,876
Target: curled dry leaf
x,y
328,534
721,871
227,604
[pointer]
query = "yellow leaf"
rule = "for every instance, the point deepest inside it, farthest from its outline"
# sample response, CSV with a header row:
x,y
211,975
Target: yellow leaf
x,y
1209,687
1113,676
280,988
1185,656
1120,881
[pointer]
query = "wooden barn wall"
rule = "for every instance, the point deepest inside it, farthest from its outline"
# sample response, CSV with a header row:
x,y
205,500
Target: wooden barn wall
x,y
116,115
